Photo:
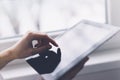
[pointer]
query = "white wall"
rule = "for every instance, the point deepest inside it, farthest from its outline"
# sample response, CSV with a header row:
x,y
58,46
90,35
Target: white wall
x,y
114,12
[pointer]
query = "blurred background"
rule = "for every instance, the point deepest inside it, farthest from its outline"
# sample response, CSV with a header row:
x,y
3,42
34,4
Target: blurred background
x,y
19,16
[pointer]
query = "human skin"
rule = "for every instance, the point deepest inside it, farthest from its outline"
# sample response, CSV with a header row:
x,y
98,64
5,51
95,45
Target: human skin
x,y
24,48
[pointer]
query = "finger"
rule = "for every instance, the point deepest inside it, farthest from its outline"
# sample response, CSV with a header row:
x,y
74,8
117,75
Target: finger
x,y
51,41
85,60
41,43
76,69
44,41
41,49
72,73
44,36
38,45
80,66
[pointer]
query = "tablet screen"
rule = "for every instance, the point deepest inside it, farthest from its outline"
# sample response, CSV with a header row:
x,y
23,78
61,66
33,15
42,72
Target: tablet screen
x,y
79,41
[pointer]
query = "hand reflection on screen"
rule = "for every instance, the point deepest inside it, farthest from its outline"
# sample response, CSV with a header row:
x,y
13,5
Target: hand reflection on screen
x,y
46,62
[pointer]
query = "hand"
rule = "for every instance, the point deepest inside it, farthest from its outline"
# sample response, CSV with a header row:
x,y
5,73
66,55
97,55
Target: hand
x,y
72,73
24,47
46,62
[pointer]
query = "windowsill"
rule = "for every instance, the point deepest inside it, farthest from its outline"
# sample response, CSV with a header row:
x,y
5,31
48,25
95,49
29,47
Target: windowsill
x,y
99,61
104,60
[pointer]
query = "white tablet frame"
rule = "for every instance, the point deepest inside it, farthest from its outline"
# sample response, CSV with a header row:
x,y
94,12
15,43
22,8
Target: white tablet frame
x,y
77,60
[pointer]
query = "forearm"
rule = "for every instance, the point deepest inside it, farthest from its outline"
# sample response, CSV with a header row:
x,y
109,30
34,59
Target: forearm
x,y
5,57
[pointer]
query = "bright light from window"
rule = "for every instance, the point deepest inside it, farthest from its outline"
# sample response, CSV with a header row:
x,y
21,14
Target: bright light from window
x,y
59,14
19,16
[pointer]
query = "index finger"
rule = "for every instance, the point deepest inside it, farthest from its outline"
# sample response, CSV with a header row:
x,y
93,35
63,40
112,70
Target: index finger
x,y
38,36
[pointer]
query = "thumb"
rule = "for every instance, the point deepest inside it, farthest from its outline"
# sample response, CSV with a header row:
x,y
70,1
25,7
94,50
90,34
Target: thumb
x,y
42,48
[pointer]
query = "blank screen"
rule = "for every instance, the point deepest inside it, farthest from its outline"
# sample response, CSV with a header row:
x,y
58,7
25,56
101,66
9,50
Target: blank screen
x,y
80,40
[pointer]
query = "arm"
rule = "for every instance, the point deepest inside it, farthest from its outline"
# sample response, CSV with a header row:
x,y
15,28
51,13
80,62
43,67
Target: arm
x,y
24,48
5,57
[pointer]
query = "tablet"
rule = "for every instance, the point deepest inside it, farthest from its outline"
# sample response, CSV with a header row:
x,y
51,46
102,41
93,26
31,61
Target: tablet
x,y
78,42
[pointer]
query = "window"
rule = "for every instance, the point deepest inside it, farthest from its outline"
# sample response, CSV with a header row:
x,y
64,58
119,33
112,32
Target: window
x,y
19,16
59,14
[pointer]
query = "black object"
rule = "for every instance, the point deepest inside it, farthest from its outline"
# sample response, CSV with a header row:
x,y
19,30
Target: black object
x,y
46,62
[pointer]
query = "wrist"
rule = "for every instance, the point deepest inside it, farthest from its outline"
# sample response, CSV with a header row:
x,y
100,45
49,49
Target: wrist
x,y
8,55
5,57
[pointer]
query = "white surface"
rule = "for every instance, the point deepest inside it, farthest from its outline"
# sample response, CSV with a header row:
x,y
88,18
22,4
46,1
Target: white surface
x,y
114,12
103,60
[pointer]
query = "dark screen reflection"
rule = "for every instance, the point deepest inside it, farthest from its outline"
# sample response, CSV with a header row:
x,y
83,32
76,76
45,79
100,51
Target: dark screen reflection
x,y
46,62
